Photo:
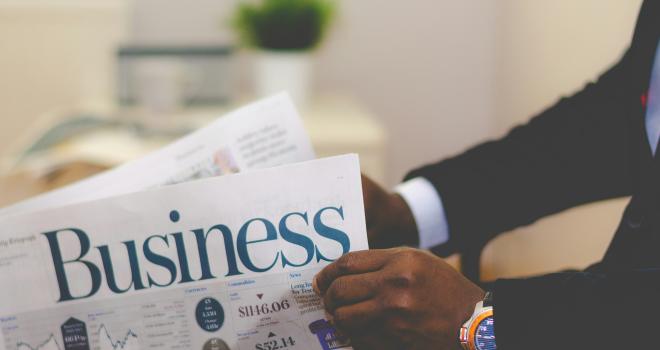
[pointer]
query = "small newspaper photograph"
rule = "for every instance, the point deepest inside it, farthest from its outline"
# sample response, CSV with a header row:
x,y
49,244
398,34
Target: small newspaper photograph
x,y
264,134
219,263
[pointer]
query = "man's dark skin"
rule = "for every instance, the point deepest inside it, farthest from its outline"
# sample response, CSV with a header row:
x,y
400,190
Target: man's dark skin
x,y
397,298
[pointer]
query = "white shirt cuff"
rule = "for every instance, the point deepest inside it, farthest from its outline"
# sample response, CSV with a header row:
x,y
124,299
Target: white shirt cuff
x,y
427,209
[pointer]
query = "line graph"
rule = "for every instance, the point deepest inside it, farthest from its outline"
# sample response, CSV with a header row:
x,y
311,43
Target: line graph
x,y
48,344
107,342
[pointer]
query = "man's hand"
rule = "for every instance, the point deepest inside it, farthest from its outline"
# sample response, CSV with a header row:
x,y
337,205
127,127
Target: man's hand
x,y
398,298
390,222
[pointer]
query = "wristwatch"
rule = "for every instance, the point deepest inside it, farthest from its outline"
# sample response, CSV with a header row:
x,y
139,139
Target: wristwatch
x,y
478,333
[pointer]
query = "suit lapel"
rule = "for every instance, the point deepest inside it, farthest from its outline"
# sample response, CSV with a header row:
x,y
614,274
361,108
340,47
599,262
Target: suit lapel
x,y
627,249
643,51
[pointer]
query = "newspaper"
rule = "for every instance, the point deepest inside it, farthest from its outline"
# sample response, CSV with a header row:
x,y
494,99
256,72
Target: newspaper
x,y
264,134
219,263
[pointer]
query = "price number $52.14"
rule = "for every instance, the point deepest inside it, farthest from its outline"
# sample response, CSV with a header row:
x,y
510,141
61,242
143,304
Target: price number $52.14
x,y
276,344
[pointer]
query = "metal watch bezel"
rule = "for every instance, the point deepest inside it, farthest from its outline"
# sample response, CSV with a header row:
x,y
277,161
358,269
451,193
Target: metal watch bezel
x,y
468,331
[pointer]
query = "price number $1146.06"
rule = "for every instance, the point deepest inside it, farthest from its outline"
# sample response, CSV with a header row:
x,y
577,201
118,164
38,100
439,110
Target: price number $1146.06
x,y
263,309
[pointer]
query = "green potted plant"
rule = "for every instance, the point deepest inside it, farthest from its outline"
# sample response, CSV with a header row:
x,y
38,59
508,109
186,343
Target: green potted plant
x,y
284,33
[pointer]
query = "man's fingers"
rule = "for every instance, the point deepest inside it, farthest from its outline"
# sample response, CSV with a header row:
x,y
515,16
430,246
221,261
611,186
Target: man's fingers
x,y
350,264
355,318
351,289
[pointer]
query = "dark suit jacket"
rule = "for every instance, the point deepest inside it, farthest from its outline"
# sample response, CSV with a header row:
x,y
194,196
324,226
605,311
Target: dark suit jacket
x,y
588,147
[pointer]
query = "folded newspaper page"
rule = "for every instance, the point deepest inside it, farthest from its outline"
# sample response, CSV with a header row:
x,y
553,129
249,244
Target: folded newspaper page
x,y
219,263
264,134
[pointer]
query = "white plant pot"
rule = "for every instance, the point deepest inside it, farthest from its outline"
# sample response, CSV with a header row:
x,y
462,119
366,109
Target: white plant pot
x,y
284,71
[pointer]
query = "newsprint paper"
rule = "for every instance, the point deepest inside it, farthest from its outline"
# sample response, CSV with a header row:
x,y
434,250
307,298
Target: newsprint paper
x,y
219,263
264,134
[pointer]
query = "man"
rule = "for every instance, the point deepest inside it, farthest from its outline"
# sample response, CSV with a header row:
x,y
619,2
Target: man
x,y
600,143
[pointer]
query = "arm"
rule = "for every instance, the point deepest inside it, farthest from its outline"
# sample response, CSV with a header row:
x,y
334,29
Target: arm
x,y
576,152
582,149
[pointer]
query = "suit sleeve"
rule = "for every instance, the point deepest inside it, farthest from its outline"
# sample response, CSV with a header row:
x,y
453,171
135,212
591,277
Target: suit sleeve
x,y
578,310
575,152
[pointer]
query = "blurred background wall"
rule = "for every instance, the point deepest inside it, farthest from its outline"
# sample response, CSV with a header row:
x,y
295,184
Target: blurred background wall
x,y
55,54
439,74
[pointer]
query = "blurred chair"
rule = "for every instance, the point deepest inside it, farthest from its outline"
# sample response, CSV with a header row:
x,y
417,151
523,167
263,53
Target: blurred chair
x,y
55,55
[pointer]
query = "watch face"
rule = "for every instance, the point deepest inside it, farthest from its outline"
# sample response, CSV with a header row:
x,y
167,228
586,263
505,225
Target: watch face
x,y
484,337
